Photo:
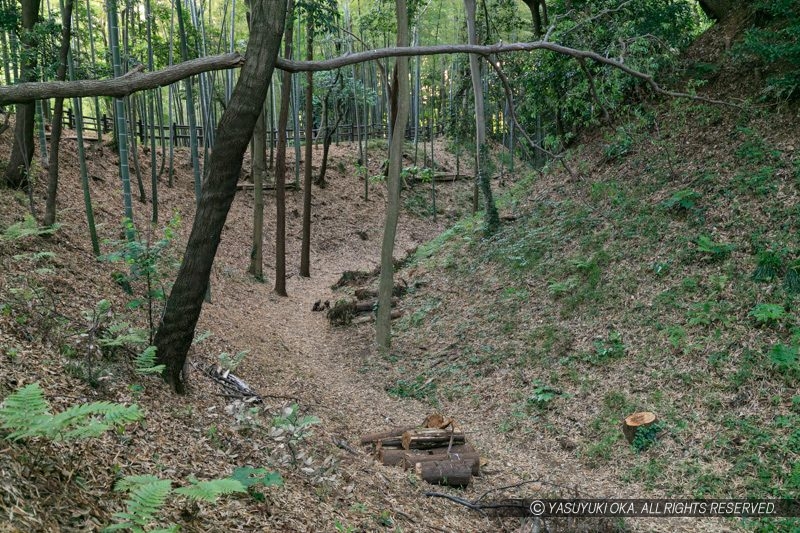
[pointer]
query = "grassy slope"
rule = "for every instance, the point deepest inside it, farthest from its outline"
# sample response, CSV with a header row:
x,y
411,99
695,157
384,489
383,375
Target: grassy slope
x,y
629,287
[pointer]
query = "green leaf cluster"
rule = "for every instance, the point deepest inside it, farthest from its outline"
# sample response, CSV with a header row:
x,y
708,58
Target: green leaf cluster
x,y
26,414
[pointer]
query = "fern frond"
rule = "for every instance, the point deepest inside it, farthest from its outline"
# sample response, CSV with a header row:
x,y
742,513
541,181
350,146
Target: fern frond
x,y
24,410
209,491
128,483
145,362
144,501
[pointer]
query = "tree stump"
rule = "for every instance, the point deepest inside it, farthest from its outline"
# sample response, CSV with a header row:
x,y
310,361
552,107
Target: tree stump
x,y
636,421
450,473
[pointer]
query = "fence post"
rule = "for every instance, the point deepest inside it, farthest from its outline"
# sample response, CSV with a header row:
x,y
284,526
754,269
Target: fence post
x,y
173,133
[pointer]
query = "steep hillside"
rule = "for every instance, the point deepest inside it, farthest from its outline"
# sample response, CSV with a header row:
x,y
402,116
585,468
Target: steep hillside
x,y
660,273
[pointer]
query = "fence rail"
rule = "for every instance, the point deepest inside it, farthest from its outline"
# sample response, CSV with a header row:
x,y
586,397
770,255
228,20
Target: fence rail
x,y
180,134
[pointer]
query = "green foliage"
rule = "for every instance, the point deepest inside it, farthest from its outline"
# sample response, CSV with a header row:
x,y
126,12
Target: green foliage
x,y
682,200
28,227
26,413
543,395
209,491
612,347
791,281
707,313
770,266
713,251
292,423
767,313
251,477
149,265
775,44
645,437
785,359
146,496
229,362
145,362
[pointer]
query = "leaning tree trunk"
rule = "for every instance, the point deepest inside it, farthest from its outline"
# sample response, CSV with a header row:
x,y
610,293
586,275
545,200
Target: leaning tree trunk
x,y
57,123
400,118
16,174
174,336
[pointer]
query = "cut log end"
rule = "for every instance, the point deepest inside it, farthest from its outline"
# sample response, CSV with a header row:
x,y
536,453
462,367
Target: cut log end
x,y
632,424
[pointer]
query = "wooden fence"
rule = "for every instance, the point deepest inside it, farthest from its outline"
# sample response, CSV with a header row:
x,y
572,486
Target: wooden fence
x,y
180,134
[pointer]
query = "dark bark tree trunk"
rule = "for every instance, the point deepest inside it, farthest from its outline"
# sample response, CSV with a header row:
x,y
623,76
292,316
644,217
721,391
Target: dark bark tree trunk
x,y
16,175
235,129
55,130
719,9
305,246
538,16
280,168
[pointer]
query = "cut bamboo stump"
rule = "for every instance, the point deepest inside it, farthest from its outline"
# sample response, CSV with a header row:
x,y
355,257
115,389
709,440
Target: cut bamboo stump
x,y
421,439
450,473
636,421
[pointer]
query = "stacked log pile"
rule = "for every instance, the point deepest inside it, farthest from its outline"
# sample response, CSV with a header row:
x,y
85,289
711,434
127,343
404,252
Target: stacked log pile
x,y
437,451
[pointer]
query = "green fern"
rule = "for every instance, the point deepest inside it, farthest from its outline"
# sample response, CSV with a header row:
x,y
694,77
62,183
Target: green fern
x,y
209,491
146,497
26,414
28,227
145,362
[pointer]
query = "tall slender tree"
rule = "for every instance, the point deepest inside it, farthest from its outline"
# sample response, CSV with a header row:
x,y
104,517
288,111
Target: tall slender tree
x,y
280,165
481,150
399,120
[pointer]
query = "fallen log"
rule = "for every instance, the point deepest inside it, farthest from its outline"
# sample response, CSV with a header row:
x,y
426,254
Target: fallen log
x,y
369,305
450,473
411,459
420,439
371,438
392,456
396,313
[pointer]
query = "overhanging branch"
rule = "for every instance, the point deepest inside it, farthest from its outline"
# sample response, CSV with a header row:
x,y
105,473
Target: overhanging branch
x,y
134,82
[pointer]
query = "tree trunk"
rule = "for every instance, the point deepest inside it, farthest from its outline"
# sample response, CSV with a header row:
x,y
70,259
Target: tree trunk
x,y
719,9
57,123
280,168
183,307
259,173
305,249
400,118
259,160
481,150
19,162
